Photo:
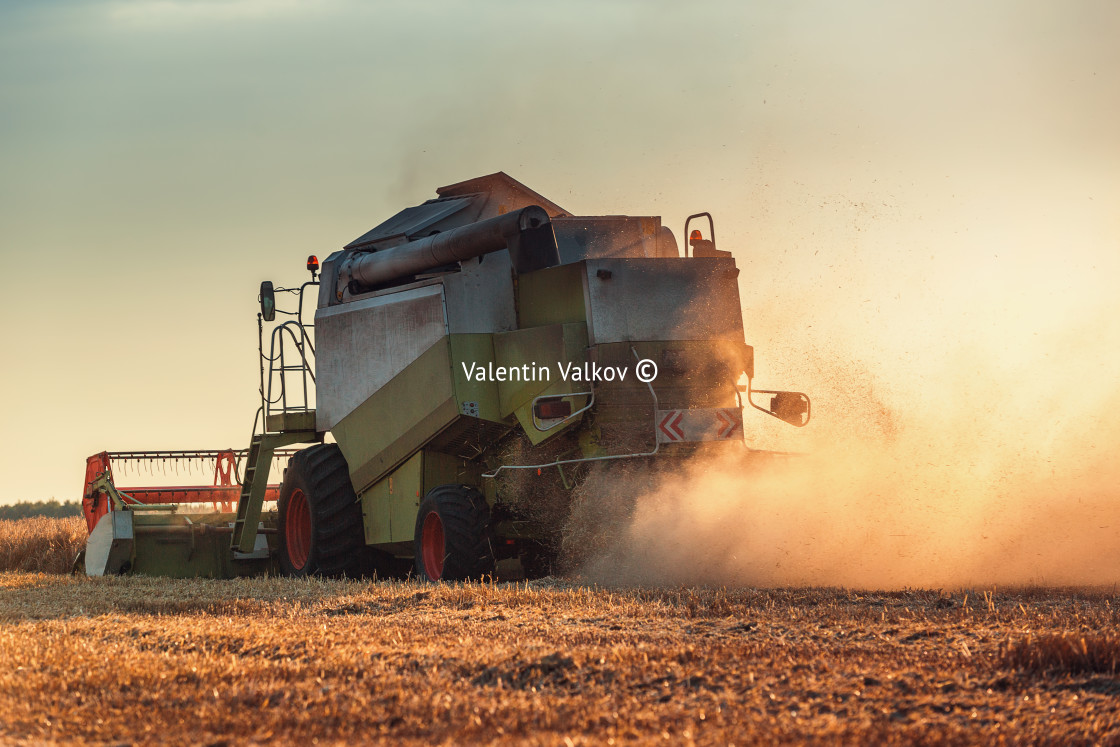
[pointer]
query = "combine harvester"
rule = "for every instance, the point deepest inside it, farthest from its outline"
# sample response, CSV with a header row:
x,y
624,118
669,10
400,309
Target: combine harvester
x,y
471,359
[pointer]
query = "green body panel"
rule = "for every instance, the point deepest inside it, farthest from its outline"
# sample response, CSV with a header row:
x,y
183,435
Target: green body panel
x,y
296,420
551,296
386,505
389,507
547,346
399,418
477,349
192,546
427,397
538,346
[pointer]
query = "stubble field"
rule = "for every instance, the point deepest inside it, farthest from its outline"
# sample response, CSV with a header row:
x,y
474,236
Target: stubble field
x,y
144,660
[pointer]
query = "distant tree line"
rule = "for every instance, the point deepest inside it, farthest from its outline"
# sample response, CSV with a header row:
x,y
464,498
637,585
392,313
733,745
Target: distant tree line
x,y
52,508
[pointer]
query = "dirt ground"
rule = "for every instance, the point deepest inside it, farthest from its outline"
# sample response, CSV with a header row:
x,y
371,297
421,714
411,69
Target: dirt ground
x,y
140,660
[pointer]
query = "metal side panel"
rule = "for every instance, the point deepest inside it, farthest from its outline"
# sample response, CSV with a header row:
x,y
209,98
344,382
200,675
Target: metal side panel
x,y
182,545
399,418
480,297
539,347
589,237
363,344
662,299
389,507
471,355
109,546
551,296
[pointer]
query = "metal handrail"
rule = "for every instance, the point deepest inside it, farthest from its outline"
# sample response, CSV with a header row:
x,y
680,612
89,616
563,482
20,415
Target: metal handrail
x,y
275,387
274,357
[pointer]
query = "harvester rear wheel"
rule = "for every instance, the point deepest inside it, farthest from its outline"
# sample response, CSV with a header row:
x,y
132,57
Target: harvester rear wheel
x,y
453,535
320,519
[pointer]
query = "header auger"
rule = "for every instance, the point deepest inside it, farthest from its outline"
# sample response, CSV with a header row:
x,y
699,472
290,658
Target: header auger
x,y
471,359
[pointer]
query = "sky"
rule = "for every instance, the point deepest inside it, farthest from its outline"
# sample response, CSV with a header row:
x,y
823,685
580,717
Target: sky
x,y
922,196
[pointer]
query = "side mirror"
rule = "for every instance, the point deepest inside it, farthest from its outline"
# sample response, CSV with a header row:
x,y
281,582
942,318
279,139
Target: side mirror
x,y
792,407
268,301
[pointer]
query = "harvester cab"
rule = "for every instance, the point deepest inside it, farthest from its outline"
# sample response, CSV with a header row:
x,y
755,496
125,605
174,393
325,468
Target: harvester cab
x,y
471,360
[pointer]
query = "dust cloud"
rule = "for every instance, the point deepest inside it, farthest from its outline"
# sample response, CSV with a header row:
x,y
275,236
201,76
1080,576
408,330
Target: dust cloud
x,y
953,503
992,459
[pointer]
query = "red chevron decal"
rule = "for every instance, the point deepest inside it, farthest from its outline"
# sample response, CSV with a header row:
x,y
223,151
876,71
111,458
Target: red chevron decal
x,y
726,424
670,425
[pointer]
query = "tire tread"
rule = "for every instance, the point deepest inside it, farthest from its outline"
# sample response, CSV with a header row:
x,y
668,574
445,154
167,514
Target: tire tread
x,y
467,531
336,516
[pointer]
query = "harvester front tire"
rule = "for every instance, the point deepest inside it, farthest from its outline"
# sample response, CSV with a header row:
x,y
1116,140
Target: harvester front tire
x,y
453,539
320,531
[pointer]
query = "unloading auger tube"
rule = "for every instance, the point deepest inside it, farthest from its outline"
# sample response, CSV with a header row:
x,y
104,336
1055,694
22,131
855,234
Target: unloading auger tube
x,y
527,233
